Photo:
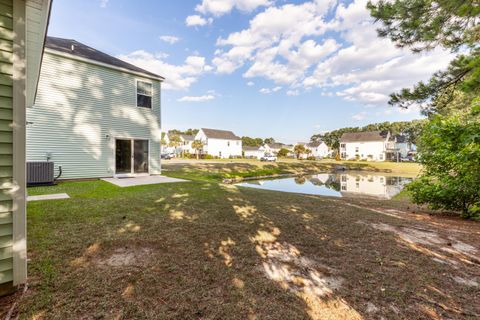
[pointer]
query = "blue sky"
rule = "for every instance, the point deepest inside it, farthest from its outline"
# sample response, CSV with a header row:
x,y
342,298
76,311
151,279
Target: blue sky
x,y
262,68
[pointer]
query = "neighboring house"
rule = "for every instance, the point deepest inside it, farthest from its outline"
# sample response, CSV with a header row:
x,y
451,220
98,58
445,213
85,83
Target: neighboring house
x,y
369,145
95,115
273,148
186,143
22,29
253,152
319,149
220,143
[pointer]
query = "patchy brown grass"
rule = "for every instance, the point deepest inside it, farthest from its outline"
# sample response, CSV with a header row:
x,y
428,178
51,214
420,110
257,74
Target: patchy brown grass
x,y
203,250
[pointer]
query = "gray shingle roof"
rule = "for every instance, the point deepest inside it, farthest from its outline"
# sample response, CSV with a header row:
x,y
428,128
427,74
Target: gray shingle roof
x,y
220,134
249,148
364,136
187,137
84,51
314,144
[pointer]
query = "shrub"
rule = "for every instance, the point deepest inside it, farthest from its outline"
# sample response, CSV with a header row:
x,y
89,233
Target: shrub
x,y
311,158
450,153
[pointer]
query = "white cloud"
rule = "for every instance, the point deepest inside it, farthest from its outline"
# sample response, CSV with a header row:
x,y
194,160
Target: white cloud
x,y
196,20
103,3
270,90
250,83
295,92
203,98
169,39
359,116
221,7
317,44
178,77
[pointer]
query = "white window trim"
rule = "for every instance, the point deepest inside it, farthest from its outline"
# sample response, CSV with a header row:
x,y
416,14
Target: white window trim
x,y
136,93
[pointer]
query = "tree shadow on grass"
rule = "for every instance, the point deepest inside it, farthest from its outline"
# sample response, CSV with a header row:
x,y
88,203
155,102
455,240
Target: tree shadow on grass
x,y
203,250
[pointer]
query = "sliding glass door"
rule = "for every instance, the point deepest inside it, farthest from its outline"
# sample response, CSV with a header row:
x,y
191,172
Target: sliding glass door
x,y
140,156
131,156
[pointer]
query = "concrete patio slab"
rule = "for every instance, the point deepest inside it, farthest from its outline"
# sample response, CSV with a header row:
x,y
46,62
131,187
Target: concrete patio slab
x,y
140,181
54,196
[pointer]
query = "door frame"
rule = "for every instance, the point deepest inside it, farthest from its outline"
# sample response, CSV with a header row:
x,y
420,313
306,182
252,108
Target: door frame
x,y
132,173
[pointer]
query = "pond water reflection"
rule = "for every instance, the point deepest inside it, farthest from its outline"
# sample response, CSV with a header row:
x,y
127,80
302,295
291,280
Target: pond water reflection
x,y
345,184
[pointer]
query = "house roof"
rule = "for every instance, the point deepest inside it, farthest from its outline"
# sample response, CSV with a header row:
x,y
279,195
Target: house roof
x,y
364,136
314,144
220,134
276,145
250,148
187,137
81,50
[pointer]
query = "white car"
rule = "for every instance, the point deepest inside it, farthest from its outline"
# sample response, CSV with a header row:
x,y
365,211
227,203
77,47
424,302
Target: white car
x,y
268,157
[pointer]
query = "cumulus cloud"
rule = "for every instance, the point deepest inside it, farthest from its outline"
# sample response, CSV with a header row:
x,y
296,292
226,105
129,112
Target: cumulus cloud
x,y
196,20
178,77
221,7
203,98
359,116
270,90
169,39
250,83
319,44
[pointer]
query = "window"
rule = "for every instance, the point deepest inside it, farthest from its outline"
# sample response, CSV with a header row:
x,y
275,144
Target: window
x,y
356,149
342,145
344,187
144,94
228,143
380,156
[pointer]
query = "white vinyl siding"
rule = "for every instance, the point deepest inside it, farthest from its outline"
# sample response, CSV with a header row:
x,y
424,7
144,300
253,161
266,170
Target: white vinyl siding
x,y
79,111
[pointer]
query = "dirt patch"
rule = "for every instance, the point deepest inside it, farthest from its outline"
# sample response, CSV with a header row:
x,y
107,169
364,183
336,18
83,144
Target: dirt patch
x,y
420,236
125,257
466,282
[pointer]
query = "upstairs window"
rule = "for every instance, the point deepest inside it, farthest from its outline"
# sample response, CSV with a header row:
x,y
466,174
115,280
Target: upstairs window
x,y
144,94
342,145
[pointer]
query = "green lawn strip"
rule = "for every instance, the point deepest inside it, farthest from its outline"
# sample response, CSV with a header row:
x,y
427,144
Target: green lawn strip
x,y
201,245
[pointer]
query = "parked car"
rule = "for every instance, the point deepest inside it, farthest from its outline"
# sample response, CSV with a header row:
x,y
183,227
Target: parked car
x,y
167,156
268,157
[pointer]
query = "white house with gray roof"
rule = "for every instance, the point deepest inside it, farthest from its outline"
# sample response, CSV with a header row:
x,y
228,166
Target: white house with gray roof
x,y
95,115
368,145
220,143
318,149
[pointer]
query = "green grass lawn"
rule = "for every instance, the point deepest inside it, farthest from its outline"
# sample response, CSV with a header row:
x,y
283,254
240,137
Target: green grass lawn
x,y
206,250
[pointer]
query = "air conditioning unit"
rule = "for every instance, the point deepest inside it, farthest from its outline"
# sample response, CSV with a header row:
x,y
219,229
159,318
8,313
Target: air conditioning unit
x,y
40,173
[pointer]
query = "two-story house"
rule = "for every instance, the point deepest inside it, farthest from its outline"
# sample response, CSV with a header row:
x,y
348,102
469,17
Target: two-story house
x,y
318,149
186,143
95,115
370,145
220,143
